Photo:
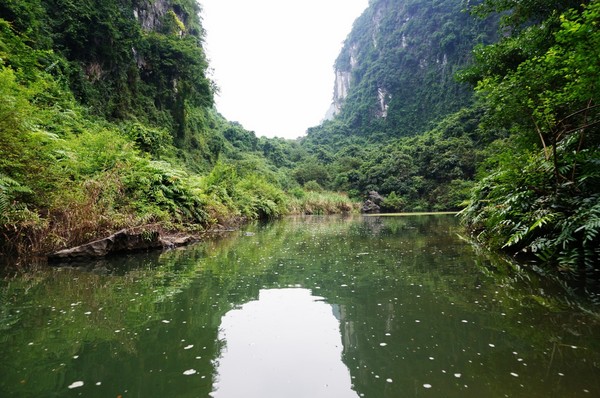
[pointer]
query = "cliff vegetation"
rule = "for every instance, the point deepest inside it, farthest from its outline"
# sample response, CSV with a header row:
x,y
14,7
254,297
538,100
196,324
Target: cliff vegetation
x,y
490,107
107,122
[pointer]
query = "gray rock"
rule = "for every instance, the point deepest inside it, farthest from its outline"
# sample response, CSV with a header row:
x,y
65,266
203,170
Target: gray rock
x,y
120,242
376,198
172,242
370,207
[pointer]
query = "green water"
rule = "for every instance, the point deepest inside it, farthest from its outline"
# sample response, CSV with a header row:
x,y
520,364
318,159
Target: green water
x,y
307,307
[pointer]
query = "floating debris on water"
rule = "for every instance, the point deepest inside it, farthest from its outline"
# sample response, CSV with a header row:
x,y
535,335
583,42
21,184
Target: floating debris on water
x,y
190,372
75,385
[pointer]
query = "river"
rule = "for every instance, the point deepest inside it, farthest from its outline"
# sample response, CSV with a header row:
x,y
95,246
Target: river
x,y
307,307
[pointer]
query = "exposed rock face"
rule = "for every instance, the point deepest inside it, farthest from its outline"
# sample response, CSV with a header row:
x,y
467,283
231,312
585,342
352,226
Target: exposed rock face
x,y
370,207
150,14
373,203
384,97
376,197
120,242
340,92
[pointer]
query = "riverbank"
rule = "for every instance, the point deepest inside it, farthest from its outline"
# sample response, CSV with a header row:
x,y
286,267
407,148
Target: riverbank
x,y
49,236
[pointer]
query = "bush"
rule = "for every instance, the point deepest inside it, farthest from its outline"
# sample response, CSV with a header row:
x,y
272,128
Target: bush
x,y
313,186
393,202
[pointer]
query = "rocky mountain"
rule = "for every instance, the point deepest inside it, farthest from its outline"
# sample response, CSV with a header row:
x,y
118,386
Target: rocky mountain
x,y
395,73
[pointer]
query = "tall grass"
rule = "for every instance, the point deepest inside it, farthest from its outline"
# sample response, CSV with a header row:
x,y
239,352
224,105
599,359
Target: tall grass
x,y
318,203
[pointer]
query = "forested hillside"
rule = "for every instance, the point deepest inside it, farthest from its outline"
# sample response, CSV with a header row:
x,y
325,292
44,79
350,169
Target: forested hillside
x,y
521,151
395,73
401,123
107,122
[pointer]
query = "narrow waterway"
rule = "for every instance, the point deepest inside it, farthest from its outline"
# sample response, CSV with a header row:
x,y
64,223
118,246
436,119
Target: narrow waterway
x,y
303,307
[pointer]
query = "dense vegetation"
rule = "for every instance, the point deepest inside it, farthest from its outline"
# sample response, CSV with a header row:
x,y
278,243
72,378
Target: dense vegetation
x,y
540,188
522,155
106,122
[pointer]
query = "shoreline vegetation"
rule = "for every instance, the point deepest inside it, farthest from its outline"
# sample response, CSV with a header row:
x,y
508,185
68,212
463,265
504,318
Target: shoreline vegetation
x,y
85,153
107,122
38,240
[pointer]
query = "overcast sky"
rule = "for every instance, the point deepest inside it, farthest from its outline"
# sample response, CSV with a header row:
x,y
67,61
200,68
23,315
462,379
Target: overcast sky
x,y
273,59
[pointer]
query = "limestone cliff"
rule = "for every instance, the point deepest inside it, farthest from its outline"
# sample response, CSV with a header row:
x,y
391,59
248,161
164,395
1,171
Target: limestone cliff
x,y
396,69
141,58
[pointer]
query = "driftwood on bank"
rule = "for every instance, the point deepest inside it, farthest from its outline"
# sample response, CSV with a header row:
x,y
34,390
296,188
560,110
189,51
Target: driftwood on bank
x,y
123,241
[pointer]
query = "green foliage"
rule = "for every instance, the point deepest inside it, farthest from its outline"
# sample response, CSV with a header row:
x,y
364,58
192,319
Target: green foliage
x,y
311,170
313,186
246,193
27,17
312,202
240,138
28,151
517,207
393,202
154,141
516,14
428,172
172,25
401,57
541,195
257,198
161,191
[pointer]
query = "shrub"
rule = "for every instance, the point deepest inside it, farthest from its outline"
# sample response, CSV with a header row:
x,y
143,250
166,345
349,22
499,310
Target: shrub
x,y
313,186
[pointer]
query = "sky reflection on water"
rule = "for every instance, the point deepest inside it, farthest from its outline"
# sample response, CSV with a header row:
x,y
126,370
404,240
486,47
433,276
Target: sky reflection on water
x,y
285,344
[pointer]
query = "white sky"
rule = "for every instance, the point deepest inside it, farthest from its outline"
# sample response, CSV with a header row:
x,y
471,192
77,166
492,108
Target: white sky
x,y
273,59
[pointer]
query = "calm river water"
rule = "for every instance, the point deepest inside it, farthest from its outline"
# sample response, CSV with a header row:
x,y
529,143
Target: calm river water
x,y
304,307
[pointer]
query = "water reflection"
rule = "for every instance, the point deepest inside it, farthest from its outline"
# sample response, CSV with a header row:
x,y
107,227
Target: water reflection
x,y
285,344
408,310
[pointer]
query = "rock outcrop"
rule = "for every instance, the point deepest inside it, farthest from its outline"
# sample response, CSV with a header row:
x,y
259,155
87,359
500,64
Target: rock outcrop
x,y
123,241
373,203
370,207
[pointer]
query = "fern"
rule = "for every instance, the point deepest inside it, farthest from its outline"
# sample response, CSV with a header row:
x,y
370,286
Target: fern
x,y
4,201
8,189
520,233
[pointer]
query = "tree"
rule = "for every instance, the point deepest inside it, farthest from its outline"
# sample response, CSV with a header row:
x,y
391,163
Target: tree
x,y
542,194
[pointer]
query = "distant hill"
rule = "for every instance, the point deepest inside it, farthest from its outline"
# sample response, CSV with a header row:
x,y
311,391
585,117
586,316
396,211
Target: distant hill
x,y
400,122
395,73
